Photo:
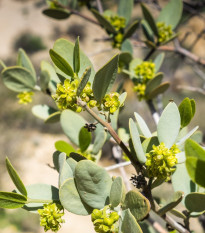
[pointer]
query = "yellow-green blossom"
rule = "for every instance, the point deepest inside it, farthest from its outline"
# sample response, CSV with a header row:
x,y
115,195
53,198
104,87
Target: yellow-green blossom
x,y
161,161
143,73
51,216
66,95
164,31
105,220
117,22
111,102
88,155
25,97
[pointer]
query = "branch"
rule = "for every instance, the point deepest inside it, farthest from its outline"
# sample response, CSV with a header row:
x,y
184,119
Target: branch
x,y
194,89
112,132
179,50
153,111
99,5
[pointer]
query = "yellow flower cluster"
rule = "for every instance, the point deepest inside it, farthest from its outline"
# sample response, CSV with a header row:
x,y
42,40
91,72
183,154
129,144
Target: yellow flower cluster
x,y
143,72
105,221
165,32
51,216
161,161
66,95
111,102
25,97
119,25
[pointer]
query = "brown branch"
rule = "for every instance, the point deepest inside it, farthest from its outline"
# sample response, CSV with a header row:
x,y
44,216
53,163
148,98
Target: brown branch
x,y
179,50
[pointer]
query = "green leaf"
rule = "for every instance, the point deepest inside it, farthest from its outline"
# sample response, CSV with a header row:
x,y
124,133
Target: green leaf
x,y
181,180
185,110
158,61
12,200
169,125
129,223
44,80
18,79
195,168
72,163
130,30
84,139
147,31
149,142
153,84
100,139
142,125
71,124
76,56
133,64
137,203
84,80
195,202
193,105
42,192
53,118
2,64
104,22
63,146
24,61
125,58
149,18
136,141
71,200
61,63
158,90
65,49
117,192
93,184
171,13
104,78
176,199
193,149
55,160
43,111
57,13
188,135
178,214
65,172
125,9
127,46
77,157
15,178
49,69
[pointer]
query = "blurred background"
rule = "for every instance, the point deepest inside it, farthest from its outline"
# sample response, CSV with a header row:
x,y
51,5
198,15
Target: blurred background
x,y
28,142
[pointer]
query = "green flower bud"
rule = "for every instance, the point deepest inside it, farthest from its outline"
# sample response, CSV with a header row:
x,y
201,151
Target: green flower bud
x,y
161,161
165,32
51,216
96,214
117,22
108,221
25,97
115,216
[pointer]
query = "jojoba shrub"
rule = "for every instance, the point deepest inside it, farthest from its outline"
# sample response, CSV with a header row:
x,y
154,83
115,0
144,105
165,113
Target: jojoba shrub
x,y
171,153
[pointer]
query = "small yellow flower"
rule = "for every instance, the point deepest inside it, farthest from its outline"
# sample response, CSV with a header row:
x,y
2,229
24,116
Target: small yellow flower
x,y
117,22
111,102
161,161
25,97
165,32
51,216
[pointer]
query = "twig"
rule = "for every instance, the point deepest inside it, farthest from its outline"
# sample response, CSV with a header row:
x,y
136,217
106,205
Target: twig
x,y
156,225
99,5
115,166
194,89
136,165
179,50
197,39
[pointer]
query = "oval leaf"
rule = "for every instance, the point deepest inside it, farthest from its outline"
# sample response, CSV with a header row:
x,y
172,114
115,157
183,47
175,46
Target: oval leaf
x,y
84,80
104,78
125,9
117,192
71,200
143,126
12,200
18,79
93,184
43,111
76,56
57,13
195,202
84,139
63,146
169,125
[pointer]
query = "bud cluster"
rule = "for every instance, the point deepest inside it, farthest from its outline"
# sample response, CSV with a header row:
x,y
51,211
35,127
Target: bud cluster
x,y
105,221
66,95
111,102
165,32
51,216
143,72
119,25
25,97
161,161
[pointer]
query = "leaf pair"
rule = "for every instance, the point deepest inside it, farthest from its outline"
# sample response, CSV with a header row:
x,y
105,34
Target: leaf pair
x,y
20,78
